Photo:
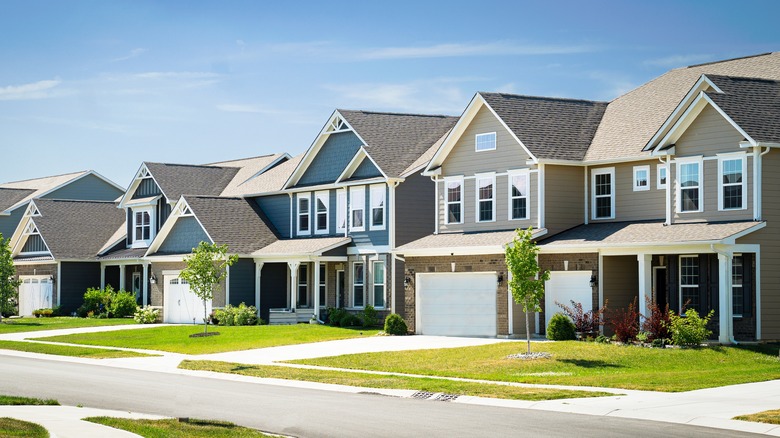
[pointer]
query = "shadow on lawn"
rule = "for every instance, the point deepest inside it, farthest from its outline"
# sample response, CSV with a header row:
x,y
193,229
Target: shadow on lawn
x,y
25,324
590,363
769,348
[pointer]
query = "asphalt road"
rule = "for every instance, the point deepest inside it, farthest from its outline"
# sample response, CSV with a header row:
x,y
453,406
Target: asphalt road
x,y
305,412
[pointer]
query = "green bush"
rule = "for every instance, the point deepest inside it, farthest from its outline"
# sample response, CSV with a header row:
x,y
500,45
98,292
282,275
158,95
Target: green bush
x,y
370,317
601,339
96,301
335,316
691,329
561,328
146,315
351,321
658,343
236,315
122,305
43,313
395,325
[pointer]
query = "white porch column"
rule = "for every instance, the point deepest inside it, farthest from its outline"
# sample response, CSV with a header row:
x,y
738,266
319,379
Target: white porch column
x,y
645,281
258,273
293,283
145,284
121,277
724,298
316,288
102,276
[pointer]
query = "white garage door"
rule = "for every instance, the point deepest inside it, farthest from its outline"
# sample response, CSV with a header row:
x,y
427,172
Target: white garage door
x,y
181,305
35,293
456,304
565,286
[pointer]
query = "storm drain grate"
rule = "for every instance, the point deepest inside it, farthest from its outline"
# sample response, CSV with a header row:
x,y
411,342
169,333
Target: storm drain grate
x,y
422,395
446,397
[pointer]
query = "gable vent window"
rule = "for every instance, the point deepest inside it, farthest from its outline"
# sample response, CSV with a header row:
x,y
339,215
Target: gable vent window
x,y
303,213
486,142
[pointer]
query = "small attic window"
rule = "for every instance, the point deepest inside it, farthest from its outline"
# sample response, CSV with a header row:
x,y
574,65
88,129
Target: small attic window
x,y
486,142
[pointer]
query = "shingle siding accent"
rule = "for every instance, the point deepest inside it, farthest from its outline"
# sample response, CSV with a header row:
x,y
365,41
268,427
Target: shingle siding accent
x,y
332,158
88,188
185,235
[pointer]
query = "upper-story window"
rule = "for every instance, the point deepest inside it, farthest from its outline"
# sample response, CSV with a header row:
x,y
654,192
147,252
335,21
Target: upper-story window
x,y
519,185
321,212
732,182
689,188
603,182
341,211
378,207
357,208
641,178
662,176
453,198
485,142
304,213
142,226
486,193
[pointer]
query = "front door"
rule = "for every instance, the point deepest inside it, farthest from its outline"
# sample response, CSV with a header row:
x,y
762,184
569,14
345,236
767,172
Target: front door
x,y
340,288
137,286
660,287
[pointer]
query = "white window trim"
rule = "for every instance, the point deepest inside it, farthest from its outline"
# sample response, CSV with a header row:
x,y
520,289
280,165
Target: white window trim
x,y
679,280
637,169
303,282
341,208
374,191
354,284
323,282
659,185
678,185
142,243
447,180
352,209
300,197
478,177
602,171
374,285
485,134
727,157
741,286
323,196
525,173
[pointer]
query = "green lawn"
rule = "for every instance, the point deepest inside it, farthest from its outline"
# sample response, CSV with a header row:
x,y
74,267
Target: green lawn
x,y
7,400
177,339
580,364
368,380
172,428
11,427
770,417
32,324
68,350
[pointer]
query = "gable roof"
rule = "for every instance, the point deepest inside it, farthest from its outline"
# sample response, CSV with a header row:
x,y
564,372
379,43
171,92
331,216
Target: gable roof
x,y
10,197
38,187
272,180
753,104
236,222
175,180
632,119
249,169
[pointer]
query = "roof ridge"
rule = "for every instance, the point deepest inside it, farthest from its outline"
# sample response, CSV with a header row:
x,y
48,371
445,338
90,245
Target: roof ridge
x,y
391,113
213,197
526,96
242,159
17,188
727,60
742,78
201,166
89,201
43,177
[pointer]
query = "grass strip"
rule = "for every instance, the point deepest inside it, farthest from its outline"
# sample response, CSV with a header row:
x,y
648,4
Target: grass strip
x,y
368,380
31,324
173,428
11,427
69,350
770,417
9,400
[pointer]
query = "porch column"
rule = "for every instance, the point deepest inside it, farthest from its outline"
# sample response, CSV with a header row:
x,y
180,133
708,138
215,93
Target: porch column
x,y
724,298
293,283
145,284
102,276
121,277
316,289
258,273
645,281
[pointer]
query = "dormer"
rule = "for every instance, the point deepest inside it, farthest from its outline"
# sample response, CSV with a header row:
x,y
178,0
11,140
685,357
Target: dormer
x,y
141,203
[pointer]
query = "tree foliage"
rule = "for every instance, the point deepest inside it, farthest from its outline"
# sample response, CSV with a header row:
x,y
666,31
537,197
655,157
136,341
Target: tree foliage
x,y
8,283
206,268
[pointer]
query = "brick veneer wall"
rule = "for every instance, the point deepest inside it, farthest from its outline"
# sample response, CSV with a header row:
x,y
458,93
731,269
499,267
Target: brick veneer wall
x,y
156,292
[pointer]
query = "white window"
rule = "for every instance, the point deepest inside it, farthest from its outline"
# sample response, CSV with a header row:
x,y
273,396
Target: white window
x,y
357,208
737,279
358,280
486,193
689,188
322,200
641,178
341,211
379,284
603,201
304,214
453,200
323,286
303,286
662,175
143,231
519,186
485,142
689,283
732,182
378,207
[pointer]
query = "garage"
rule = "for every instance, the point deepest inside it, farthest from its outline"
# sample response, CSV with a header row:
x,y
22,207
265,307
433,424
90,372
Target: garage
x,y
35,292
181,305
456,304
565,287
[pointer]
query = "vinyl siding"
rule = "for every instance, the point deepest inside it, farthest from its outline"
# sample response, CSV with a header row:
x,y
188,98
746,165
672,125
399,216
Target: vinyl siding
x,y
334,155
34,243
242,282
185,235
9,223
277,209
621,283
75,279
146,188
414,212
564,197
369,237
709,134
89,188
631,205
366,169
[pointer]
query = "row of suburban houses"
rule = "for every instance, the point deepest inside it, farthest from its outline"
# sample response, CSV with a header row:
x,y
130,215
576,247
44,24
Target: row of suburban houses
x,y
667,195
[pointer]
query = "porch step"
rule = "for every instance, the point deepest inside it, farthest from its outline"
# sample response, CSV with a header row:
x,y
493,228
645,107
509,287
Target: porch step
x,y
282,317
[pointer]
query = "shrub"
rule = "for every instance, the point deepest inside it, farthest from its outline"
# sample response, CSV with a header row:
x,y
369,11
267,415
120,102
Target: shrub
x,y
351,321
625,323
691,329
584,322
335,316
96,301
370,317
657,323
642,336
561,328
146,315
658,343
395,325
236,315
122,304
43,313
601,339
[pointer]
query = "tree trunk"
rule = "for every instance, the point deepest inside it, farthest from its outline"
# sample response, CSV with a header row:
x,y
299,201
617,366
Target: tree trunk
x,y
205,318
528,330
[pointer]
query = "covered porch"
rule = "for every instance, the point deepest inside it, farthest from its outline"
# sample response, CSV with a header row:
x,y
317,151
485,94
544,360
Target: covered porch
x,y
127,270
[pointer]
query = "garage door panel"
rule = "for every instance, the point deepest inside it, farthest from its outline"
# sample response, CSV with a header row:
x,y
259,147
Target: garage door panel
x,y
457,304
34,293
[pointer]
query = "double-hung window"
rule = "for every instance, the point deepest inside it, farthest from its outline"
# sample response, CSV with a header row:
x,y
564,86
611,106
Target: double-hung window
x,y
641,178
519,185
689,283
737,280
358,282
689,188
303,286
486,194
304,213
323,286
732,182
142,226
485,142
378,192
453,198
321,202
341,211
379,284
357,208
662,176
603,182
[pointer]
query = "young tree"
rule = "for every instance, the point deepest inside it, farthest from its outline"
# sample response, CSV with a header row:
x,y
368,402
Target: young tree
x,y
206,267
527,280
8,281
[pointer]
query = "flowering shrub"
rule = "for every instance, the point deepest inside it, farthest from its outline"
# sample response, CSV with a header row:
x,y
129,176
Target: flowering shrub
x,y
584,322
146,315
657,323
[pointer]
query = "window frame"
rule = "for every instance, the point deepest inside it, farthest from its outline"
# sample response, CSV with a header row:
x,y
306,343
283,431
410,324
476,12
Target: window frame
x,y
593,210
361,191
303,284
696,286
678,186
322,288
477,178
324,197
658,184
342,214
722,158
525,174
151,210
447,202
373,191
382,285
637,169
740,285
355,285
301,197
484,135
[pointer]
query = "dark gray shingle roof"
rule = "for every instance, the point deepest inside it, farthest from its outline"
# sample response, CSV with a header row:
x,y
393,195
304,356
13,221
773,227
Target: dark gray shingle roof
x,y
754,104
236,222
395,141
184,179
549,127
77,229
9,197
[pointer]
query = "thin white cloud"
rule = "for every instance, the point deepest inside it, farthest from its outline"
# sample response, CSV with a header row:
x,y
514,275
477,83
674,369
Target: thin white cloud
x,y
133,54
678,60
471,49
34,90
441,95
176,75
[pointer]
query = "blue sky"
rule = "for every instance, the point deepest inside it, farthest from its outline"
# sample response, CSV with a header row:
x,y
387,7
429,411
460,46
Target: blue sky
x,y
105,85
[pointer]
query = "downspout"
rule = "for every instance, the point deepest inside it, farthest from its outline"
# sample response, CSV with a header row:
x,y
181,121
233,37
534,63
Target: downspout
x,y
436,210
730,317
668,190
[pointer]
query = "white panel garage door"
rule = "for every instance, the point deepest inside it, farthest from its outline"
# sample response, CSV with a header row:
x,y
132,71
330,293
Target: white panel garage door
x,y
181,305
456,304
565,286
35,293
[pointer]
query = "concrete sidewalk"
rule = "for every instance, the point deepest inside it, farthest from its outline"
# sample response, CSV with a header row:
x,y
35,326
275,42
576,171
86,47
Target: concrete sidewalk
x,y
65,421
